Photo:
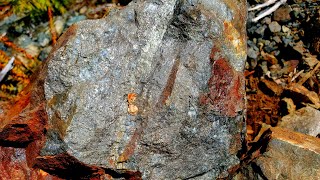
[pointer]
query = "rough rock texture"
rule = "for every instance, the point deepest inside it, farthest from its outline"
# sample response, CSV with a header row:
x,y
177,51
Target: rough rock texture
x,y
178,62
13,165
305,120
182,59
289,155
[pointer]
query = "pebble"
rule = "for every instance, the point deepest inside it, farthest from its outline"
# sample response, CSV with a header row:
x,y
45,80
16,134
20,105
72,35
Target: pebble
x,y
261,30
266,20
252,53
83,10
43,39
274,27
59,25
277,39
23,41
282,14
287,41
44,53
285,29
75,19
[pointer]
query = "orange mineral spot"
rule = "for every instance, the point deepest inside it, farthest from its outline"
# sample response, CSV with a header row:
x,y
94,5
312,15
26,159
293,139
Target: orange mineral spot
x,y
131,98
132,109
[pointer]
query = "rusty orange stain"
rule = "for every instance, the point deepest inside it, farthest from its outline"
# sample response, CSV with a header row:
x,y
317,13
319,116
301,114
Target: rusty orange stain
x,y
225,87
130,147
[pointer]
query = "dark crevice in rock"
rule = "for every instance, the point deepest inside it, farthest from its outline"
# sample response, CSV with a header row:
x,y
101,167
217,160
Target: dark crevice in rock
x,y
183,26
16,135
257,169
257,148
249,153
67,167
130,175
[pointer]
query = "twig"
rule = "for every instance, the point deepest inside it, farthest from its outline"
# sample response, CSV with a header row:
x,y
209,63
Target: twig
x,y
6,69
309,74
269,11
297,75
262,5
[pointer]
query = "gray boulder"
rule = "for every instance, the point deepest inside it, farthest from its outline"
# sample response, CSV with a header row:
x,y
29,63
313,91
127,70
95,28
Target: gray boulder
x,y
155,88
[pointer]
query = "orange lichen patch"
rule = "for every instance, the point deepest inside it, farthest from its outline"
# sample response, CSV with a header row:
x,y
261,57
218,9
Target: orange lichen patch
x,y
226,87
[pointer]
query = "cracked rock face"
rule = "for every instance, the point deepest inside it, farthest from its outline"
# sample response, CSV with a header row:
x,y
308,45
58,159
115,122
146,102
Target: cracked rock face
x,y
156,88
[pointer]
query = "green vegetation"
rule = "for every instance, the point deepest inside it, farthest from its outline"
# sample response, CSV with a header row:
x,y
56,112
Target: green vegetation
x,y
37,7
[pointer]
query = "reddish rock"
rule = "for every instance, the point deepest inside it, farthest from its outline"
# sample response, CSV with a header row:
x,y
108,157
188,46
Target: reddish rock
x,y
13,165
226,90
289,155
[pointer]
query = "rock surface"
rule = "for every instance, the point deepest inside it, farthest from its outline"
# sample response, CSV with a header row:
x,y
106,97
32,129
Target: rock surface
x,y
179,63
290,155
304,120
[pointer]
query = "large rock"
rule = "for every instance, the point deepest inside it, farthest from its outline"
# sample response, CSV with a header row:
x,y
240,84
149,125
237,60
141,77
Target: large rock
x,y
155,91
289,155
305,120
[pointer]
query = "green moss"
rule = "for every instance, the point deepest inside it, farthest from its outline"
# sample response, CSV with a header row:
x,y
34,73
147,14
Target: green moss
x,y
38,7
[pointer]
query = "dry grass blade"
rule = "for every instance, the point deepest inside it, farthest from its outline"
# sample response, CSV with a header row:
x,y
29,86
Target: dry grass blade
x,y
51,26
309,74
6,69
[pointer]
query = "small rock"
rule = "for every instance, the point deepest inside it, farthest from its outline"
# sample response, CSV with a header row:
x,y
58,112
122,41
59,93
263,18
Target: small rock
x,y
252,53
287,41
23,41
270,46
75,19
282,14
274,27
59,25
277,39
304,120
285,29
266,20
43,39
261,30
83,10
33,50
20,27
44,53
